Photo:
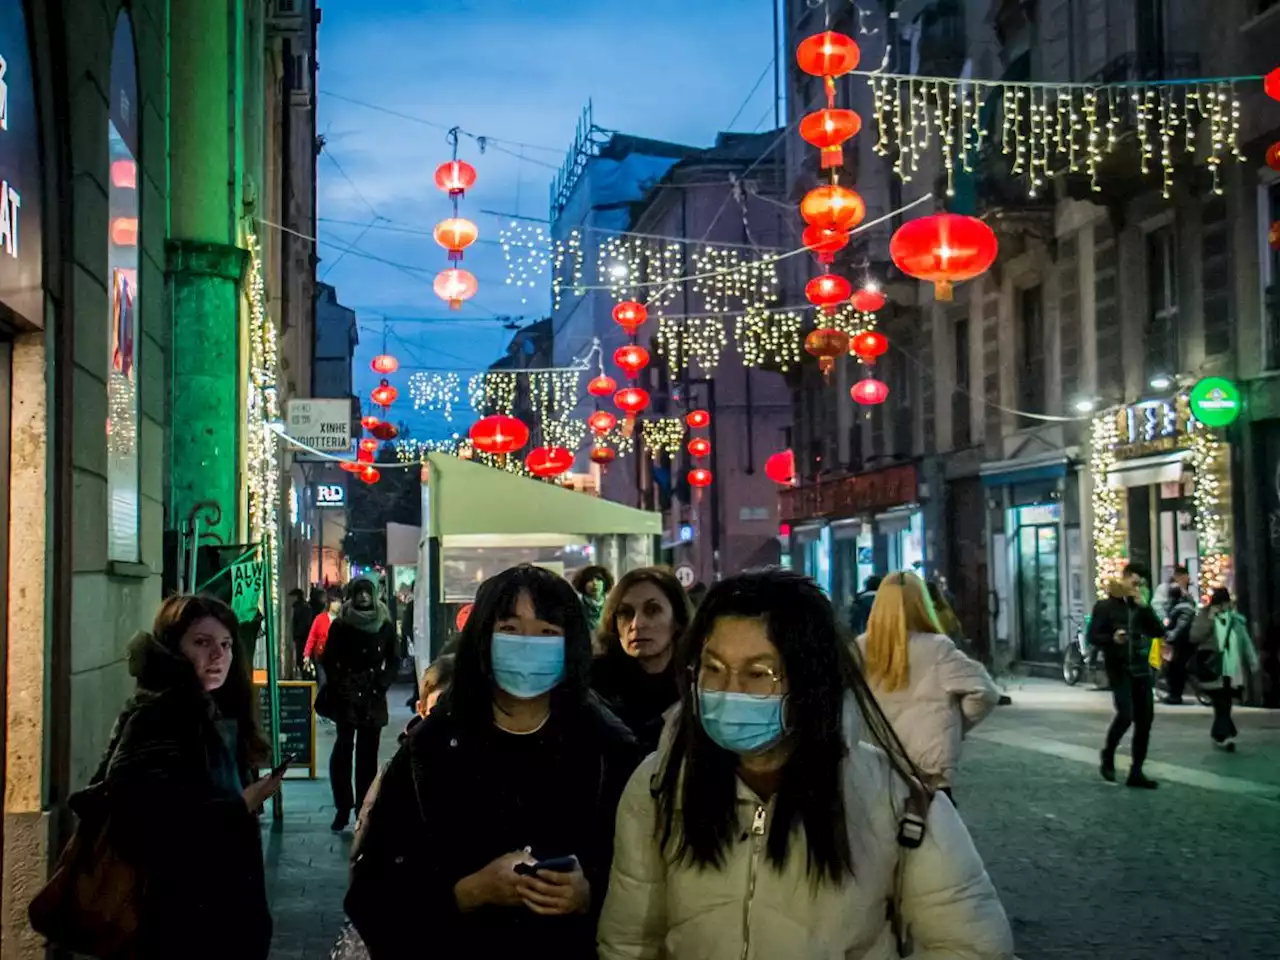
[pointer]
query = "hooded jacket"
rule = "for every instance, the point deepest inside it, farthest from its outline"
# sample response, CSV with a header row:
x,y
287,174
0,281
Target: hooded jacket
x,y
174,783
947,694
747,908
1119,611
360,659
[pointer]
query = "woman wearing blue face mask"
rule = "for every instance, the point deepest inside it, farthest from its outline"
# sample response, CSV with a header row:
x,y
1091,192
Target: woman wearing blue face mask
x,y
519,764
777,819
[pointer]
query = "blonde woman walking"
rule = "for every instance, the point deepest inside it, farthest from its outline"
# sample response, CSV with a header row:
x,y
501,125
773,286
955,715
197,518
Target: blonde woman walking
x,y
931,692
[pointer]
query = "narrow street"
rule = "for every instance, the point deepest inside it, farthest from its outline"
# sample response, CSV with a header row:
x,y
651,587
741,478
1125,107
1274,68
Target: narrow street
x,y
1085,868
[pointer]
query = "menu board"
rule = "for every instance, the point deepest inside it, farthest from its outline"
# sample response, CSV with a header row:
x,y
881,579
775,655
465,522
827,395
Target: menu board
x,y
297,721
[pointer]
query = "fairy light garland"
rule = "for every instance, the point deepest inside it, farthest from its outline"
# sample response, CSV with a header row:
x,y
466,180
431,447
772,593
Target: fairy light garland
x,y
435,392
122,423
1047,129
769,337
663,435
685,341
1108,526
567,259
727,280
1209,457
262,460
526,250
493,392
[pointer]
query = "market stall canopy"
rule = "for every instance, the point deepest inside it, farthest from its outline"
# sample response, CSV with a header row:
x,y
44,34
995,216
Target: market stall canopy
x,y
469,498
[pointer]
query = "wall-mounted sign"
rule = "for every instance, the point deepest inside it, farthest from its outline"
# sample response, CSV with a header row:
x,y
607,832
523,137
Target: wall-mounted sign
x,y
850,496
685,574
323,425
1152,427
686,533
331,495
1215,402
21,254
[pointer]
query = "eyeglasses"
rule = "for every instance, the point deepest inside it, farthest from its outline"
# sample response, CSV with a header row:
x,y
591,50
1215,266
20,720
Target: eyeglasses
x,y
755,680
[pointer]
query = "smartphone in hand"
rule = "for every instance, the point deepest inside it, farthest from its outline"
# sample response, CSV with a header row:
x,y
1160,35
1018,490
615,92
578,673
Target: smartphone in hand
x,y
554,865
285,763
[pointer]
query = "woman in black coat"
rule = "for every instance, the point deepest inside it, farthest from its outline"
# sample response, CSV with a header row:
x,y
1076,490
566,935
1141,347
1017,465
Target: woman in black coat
x,y
645,615
360,661
180,781
519,763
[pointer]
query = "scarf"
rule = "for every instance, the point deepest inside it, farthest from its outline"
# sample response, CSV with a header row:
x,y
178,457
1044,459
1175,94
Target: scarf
x,y
370,621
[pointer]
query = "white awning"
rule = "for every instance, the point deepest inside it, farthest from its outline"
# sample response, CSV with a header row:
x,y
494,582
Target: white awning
x,y
1146,471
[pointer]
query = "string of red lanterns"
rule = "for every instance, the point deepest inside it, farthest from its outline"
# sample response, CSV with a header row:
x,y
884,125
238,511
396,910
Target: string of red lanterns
x,y
1271,85
455,177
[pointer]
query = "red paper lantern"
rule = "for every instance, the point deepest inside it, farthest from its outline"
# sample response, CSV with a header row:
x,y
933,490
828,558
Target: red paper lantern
x,y
386,431
945,248
364,456
601,422
455,235
631,359
699,447
868,345
825,242
833,207
1273,156
351,466
384,395
369,444
603,455
602,386
698,419
455,285
369,422
631,400
827,130
630,316
548,461
498,434
1271,84
828,291
826,345
828,54
868,299
781,468
455,177
370,474
869,392
700,477
384,363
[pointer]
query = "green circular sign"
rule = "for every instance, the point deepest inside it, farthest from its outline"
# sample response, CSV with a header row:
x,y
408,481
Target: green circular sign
x,y
1215,402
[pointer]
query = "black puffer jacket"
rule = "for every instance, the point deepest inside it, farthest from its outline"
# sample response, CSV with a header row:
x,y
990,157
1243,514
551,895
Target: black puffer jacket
x,y
359,667
174,785
1119,611
451,801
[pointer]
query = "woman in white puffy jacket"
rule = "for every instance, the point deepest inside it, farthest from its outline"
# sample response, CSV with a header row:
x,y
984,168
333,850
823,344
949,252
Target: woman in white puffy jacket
x,y
931,692
769,827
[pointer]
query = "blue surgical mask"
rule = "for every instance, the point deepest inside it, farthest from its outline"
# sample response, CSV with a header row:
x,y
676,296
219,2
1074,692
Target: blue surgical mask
x,y
740,722
527,667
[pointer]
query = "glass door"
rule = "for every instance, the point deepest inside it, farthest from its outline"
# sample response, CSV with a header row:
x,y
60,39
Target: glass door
x,y
1039,594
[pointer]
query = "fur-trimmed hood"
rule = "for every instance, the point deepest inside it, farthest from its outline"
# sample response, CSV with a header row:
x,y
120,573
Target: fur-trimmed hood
x,y
159,669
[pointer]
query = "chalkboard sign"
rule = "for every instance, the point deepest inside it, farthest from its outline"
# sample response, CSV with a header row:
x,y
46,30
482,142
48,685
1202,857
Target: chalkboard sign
x,y
297,721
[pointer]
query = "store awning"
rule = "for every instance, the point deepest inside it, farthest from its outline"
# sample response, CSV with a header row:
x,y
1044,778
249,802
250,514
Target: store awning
x,y
1003,473
472,499
1145,471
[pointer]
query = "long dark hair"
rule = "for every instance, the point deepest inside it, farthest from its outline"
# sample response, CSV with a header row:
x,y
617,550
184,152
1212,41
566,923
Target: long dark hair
x,y
469,698
236,699
697,785
608,638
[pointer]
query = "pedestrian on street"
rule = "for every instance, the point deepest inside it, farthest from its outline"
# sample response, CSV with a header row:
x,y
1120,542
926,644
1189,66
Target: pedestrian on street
x,y
1176,648
593,585
300,618
1123,626
1225,660
360,663
1162,600
635,674
182,783
946,616
520,763
931,692
862,604
768,823
318,635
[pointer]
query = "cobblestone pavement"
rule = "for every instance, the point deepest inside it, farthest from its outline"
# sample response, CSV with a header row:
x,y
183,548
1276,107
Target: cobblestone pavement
x,y
1085,868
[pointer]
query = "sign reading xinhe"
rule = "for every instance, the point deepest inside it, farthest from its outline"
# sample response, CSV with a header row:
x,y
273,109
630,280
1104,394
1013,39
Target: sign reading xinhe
x,y
323,425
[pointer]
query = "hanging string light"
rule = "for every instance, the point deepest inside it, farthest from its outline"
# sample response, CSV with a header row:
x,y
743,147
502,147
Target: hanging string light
x,y
685,341
526,250
1108,529
769,338
434,392
663,436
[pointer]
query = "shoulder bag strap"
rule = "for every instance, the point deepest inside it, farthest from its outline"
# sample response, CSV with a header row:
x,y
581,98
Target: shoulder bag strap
x,y
109,754
911,831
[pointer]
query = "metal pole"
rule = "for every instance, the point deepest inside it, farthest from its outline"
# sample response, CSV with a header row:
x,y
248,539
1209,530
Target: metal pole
x,y
273,691
777,69
195,553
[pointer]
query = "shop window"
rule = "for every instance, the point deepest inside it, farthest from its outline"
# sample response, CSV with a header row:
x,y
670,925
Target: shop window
x,y
123,238
1031,372
1160,340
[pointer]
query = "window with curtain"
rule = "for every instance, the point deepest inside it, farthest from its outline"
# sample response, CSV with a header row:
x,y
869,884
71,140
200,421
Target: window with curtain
x,y
122,300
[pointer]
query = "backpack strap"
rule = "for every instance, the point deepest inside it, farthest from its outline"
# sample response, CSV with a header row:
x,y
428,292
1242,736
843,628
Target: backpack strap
x,y
911,832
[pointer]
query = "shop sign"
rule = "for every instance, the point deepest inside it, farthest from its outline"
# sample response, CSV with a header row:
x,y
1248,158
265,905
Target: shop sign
x,y
21,253
246,589
850,496
323,425
1215,402
331,495
1152,427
